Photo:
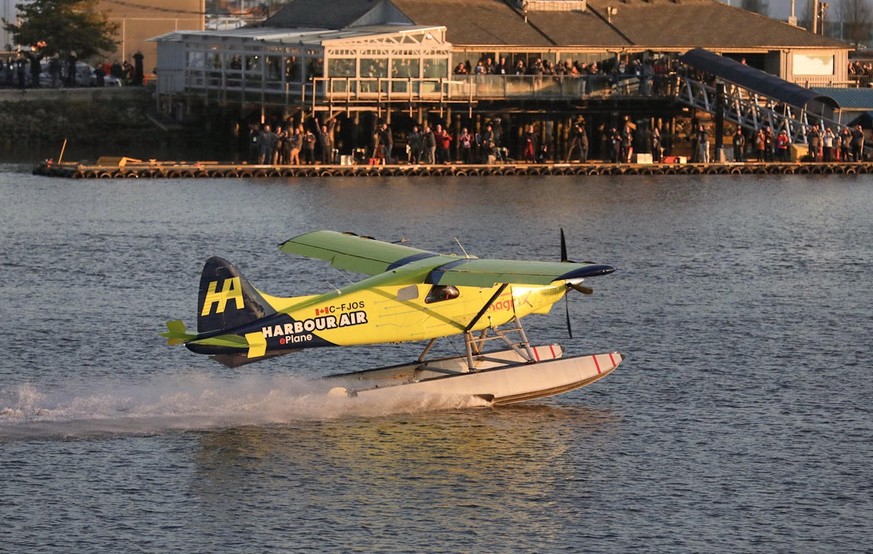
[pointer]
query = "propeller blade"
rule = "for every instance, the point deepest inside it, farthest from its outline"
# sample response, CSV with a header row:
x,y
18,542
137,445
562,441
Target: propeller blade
x,y
563,247
580,288
567,310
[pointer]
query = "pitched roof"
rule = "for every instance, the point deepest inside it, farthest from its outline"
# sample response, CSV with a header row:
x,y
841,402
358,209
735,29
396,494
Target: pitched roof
x,y
650,24
486,22
685,24
324,14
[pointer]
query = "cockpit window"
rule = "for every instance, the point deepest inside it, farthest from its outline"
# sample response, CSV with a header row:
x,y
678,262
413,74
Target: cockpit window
x,y
440,293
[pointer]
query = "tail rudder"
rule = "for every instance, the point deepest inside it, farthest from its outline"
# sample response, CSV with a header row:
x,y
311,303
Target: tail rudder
x,y
226,299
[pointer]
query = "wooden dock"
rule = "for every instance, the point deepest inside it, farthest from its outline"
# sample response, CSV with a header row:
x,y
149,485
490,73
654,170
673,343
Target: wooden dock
x,y
124,168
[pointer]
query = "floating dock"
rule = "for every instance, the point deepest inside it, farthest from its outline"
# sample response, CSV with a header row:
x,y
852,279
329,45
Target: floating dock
x,y
123,168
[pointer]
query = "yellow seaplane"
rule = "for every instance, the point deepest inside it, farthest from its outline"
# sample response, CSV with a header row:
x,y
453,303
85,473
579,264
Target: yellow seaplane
x,y
410,295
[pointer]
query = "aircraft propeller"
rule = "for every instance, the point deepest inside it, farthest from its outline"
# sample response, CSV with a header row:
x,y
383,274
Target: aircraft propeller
x,y
574,286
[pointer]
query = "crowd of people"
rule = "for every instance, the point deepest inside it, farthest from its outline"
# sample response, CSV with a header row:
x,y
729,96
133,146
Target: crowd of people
x,y
824,144
29,69
293,144
861,70
651,73
311,141
435,145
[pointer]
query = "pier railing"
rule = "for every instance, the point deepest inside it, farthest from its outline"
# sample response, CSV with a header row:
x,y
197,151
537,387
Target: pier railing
x,y
467,88
228,86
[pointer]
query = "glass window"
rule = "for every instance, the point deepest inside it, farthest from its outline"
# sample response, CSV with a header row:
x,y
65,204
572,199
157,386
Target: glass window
x,y
195,60
292,69
372,68
253,64
441,293
341,67
811,64
273,66
405,68
436,68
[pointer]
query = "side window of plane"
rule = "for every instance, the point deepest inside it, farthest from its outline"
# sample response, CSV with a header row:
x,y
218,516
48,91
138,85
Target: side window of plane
x,y
440,293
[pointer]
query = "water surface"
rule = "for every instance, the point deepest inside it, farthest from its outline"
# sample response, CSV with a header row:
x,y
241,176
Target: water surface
x,y
740,421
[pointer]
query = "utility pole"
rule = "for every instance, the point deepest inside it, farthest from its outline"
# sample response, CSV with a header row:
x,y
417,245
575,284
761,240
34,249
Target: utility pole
x,y
823,10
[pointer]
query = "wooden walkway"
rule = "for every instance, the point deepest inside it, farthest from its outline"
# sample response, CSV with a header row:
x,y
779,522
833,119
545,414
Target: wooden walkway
x,y
219,170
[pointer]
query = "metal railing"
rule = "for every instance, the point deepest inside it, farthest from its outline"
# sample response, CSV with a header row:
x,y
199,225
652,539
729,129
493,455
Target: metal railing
x,y
457,88
751,109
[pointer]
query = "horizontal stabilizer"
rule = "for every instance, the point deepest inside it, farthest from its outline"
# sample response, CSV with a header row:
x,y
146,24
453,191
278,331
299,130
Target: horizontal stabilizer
x,y
177,333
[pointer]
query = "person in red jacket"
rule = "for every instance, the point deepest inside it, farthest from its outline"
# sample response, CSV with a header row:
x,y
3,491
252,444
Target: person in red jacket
x,y
444,141
783,144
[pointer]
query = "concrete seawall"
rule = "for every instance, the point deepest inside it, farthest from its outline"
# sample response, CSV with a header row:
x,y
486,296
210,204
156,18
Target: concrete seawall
x,y
80,114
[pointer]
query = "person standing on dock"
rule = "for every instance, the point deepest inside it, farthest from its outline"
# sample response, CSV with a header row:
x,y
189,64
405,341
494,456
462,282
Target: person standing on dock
x,y
443,141
281,156
827,145
294,139
267,143
384,143
429,141
465,145
325,140
579,141
485,143
657,149
739,145
769,145
309,146
703,144
783,145
760,144
627,143
528,144
614,141
413,145
254,137
858,143
845,143
813,139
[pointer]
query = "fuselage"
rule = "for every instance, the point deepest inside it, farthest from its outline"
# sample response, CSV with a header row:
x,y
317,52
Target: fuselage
x,y
380,314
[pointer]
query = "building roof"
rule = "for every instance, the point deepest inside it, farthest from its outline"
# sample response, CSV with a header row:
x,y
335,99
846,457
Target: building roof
x,y
849,99
294,36
485,22
686,24
676,25
326,14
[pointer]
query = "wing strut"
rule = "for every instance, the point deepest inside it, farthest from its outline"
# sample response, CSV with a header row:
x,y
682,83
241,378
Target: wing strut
x,y
484,309
520,346
473,345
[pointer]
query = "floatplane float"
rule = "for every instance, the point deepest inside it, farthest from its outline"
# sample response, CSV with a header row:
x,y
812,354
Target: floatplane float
x,y
410,295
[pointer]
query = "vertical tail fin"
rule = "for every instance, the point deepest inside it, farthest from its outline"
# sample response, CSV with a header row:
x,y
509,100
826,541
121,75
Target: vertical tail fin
x,y
226,300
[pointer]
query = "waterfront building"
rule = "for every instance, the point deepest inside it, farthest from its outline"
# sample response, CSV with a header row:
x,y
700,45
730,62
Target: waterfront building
x,y
466,59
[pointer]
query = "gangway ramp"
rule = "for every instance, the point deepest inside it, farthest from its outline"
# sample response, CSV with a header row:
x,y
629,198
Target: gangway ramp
x,y
752,98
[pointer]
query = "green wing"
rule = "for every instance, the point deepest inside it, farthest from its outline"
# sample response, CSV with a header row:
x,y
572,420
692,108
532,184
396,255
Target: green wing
x,y
487,273
372,257
353,252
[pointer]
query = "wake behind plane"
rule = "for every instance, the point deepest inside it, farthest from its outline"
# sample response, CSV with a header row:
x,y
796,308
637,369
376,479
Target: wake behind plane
x,y
409,295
